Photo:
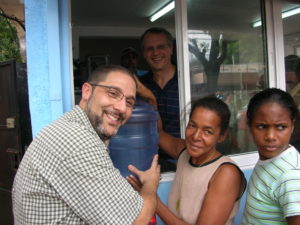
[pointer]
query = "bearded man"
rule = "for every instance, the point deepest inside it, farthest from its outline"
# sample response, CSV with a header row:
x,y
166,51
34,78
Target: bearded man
x,y
66,175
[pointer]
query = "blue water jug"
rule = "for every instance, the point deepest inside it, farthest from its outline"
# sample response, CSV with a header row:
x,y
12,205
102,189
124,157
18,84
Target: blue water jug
x,y
136,141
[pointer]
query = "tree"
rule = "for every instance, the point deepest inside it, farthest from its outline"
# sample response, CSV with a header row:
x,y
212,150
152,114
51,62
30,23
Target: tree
x,y
9,41
217,55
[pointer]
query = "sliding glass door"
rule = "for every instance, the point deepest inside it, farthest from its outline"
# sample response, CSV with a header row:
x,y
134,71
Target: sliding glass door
x,y
227,58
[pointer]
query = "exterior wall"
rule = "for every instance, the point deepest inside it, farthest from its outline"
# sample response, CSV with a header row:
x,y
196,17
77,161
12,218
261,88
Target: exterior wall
x,y
49,77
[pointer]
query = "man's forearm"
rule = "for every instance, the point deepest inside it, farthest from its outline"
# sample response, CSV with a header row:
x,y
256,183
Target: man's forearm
x,y
147,211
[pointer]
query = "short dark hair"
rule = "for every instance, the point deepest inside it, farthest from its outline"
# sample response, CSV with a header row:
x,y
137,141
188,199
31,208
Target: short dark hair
x,y
298,70
271,95
157,30
291,62
101,72
216,105
129,50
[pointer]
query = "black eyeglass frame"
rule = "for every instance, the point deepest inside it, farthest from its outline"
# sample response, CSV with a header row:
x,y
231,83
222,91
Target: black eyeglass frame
x,y
119,96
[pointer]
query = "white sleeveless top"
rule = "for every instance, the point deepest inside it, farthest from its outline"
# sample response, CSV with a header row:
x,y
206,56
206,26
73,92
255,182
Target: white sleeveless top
x,y
190,186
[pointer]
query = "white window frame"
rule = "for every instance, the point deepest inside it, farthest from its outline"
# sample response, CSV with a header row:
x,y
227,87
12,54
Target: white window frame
x,y
275,44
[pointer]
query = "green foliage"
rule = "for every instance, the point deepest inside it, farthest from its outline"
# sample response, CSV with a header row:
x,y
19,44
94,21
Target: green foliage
x,y
9,42
233,49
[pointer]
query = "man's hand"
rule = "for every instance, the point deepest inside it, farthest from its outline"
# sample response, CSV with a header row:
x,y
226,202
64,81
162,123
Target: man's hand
x,y
146,185
146,94
148,180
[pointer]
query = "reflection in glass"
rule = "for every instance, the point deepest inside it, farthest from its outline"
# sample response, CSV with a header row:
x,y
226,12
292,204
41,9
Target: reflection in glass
x,y
291,30
227,58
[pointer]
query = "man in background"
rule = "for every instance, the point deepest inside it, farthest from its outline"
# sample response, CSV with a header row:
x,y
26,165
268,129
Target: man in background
x,y
291,77
292,66
162,80
129,59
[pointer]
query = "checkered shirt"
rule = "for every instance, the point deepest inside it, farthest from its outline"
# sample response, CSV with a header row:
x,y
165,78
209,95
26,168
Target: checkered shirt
x,y
67,177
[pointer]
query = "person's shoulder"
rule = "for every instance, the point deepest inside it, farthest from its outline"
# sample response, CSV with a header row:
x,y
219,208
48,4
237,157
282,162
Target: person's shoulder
x,y
294,158
228,170
229,176
225,161
183,153
141,73
288,178
288,160
291,164
183,157
67,121
146,77
72,127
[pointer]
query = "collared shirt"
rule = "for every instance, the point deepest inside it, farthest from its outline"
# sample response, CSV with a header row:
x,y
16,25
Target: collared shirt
x,y
67,177
168,102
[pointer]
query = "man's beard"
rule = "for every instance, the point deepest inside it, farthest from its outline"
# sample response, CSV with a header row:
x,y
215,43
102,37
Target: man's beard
x,y
97,123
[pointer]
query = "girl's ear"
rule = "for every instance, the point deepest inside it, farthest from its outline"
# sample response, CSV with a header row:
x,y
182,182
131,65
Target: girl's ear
x,y
293,124
223,136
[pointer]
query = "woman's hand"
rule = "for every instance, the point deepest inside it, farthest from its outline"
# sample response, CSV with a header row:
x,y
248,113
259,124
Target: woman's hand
x,y
135,182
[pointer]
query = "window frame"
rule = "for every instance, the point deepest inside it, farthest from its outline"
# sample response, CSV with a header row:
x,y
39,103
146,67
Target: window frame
x,y
271,12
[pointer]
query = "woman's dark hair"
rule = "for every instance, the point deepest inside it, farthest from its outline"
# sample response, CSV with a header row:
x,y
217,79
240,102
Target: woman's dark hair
x,y
216,105
271,95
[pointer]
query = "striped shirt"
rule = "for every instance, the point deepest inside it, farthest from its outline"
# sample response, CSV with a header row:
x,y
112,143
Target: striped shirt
x,y
168,102
274,190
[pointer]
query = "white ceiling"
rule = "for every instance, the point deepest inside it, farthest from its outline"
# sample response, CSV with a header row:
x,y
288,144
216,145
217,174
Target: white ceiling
x,y
203,14
128,13
136,13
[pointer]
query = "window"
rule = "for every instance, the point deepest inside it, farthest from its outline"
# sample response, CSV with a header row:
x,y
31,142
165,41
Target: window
x,y
291,35
227,57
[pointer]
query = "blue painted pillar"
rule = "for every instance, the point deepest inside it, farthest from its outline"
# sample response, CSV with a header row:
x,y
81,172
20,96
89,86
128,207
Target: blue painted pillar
x,y
66,56
48,60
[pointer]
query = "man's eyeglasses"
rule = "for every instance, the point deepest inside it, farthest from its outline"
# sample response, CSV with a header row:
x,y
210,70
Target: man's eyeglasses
x,y
116,94
158,47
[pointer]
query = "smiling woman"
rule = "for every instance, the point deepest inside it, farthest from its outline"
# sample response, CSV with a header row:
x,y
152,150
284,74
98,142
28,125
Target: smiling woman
x,y
205,180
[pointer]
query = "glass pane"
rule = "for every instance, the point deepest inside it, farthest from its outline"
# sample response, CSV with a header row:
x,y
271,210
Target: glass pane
x,y
227,58
291,29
